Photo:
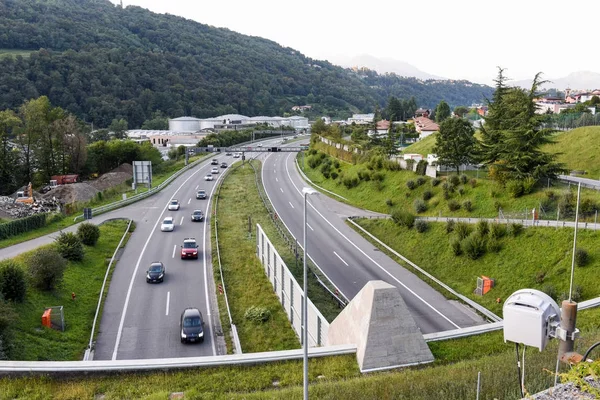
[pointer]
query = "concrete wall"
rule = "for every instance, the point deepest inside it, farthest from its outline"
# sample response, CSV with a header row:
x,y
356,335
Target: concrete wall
x,y
290,292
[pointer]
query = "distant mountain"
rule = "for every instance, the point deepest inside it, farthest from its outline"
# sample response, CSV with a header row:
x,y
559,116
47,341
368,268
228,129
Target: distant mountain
x,y
580,80
382,66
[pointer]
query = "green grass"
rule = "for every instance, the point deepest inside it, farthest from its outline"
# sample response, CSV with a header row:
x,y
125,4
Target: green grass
x,y
579,149
486,196
245,279
108,196
516,266
32,341
14,53
423,147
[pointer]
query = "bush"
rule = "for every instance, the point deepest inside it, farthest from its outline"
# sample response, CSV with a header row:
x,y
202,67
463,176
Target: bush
x,y
69,246
539,276
403,218
497,205
576,295
473,182
464,179
461,191
550,195
334,175
467,205
364,175
474,245
313,161
493,245
497,231
483,227
455,246
46,268
421,225
446,195
378,176
515,188
515,229
427,195
581,257
350,181
453,205
420,206
462,229
257,314
22,225
13,285
454,180
528,185
88,233
435,182
421,181
336,164
421,167
411,184
450,226
389,202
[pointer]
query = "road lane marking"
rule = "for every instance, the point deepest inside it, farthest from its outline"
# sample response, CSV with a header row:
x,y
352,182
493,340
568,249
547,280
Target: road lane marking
x,y
197,186
168,298
181,223
276,180
174,250
291,204
366,255
137,265
281,190
190,200
310,227
341,259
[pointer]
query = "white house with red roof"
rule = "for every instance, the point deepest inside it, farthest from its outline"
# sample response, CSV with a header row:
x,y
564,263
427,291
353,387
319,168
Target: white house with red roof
x,y
425,127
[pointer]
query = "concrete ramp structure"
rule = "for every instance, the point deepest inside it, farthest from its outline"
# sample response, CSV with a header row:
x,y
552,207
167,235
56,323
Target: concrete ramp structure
x,y
378,322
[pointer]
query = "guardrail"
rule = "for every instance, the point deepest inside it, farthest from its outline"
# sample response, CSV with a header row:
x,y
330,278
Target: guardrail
x,y
141,196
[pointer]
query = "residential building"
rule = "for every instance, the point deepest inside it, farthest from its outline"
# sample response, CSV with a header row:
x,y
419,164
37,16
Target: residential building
x,y
382,128
425,127
423,112
361,119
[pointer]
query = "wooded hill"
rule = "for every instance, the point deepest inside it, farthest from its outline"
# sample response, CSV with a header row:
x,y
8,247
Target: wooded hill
x,y
102,62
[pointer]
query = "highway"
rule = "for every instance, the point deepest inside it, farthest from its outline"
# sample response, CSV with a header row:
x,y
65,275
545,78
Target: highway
x,y
347,259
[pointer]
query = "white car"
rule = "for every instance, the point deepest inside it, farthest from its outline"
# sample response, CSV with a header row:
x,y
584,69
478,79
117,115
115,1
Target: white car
x,y
214,170
236,155
167,225
208,177
260,145
174,205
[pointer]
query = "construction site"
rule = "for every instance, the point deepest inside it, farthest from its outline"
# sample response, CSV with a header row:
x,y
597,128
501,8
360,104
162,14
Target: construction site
x,y
61,191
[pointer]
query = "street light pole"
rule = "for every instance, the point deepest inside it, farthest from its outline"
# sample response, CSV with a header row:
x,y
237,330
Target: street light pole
x,y
305,191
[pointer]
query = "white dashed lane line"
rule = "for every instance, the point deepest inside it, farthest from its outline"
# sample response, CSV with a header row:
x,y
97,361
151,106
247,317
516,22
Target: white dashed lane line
x,y
174,249
281,190
181,223
168,298
341,259
291,205
310,227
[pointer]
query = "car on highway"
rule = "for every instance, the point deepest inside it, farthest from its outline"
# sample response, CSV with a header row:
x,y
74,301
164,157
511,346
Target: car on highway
x,y
228,153
174,205
201,194
208,177
191,325
223,165
167,225
189,248
215,170
156,272
236,155
197,215
260,145
214,162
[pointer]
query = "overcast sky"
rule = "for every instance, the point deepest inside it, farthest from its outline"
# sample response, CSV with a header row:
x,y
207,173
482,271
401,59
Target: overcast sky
x,y
460,39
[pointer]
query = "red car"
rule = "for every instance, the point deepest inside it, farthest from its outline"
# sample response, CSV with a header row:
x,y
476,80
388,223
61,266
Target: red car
x,y
189,249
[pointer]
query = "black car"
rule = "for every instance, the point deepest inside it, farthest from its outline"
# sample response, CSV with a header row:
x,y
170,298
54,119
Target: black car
x,y
156,272
201,194
191,325
197,215
223,165
214,162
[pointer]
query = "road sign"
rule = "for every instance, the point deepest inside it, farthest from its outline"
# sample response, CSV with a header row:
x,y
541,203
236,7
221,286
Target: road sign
x,y
87,213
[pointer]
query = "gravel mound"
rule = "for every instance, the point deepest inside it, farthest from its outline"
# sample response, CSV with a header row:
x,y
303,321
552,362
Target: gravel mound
x,y
567,391
113,178
72,192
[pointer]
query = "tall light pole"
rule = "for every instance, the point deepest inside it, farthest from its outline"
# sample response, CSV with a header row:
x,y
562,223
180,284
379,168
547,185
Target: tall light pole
x,y
306,191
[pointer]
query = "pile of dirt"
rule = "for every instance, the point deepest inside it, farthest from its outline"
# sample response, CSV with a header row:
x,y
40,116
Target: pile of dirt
x,y
125,167
113,178
72,192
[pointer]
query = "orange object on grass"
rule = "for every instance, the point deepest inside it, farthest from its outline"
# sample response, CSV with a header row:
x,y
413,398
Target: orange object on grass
x,y
46,318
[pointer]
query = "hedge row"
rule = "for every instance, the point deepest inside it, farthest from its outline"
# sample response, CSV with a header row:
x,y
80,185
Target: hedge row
x,y
22,225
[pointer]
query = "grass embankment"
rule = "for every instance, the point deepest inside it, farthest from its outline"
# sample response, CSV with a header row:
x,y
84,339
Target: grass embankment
x,y
423,146
111,195
330,377
485,196
538,258
578,149
32,341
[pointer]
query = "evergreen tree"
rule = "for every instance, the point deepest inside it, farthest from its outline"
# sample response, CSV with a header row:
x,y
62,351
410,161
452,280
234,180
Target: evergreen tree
x,y
455,143
442,112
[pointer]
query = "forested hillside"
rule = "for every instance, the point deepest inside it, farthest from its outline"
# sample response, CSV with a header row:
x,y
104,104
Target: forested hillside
x,y
102,62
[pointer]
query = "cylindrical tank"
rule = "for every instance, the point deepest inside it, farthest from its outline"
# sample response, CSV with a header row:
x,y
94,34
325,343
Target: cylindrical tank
x,y
184,124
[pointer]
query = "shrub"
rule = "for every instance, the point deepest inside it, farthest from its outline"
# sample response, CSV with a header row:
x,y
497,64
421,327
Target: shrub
x,y
581,257
350,181
421,225
334,175
446,186
427,195
497,231
455,246
435,182
515,229
450,226
69,246
550,195
379,186
13,284
389,202
403,218
464,179
528,184
467,205
453,205
461,191
474,245
313,161
483,227
454,180
46,268
378,176
539,276
462,229
575,296
445,195
421,181
54,217
420,206
497,205
493,245
21,225
411,185
336,164
515,188
364,175
88,233
257,314
473,182
421,167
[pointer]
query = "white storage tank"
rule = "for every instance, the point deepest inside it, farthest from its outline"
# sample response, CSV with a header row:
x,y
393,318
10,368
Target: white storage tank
x,y
184,124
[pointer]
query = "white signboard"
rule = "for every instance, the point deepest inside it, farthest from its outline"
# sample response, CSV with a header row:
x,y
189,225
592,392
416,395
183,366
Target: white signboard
x,y
142,172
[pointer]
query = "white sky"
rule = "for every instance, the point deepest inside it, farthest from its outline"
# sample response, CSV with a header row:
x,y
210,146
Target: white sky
x,y
460,39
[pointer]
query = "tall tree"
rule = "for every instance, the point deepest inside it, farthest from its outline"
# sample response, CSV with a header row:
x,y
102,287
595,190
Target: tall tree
x,y
119,128
460,111
455,143
442,112
9,162
491,131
